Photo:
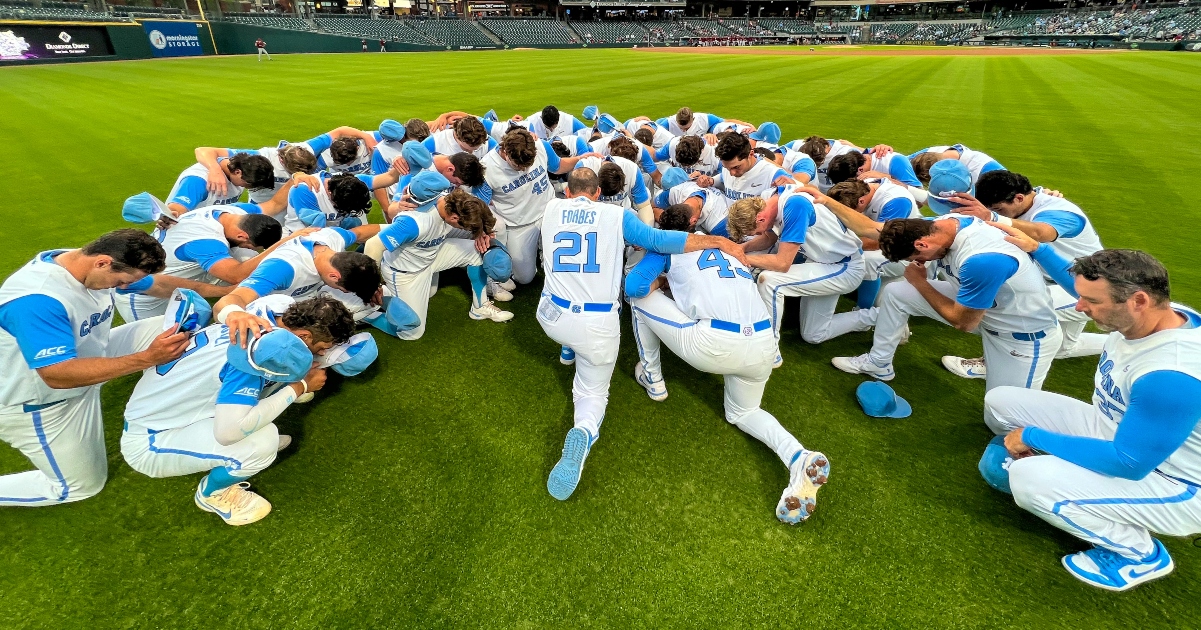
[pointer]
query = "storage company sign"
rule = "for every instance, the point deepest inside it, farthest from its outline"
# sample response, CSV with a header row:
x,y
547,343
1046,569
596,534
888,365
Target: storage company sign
x,y
173,39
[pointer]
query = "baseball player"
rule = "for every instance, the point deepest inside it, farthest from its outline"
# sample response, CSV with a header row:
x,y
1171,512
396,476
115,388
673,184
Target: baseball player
x,y
261,46
879,200
690,153
58,346
550,123
715,322
799,165
234,175
709,206
977,163
621,182
342,199
744,173
878,162
822,151
584,241
465,135
687,123
652,134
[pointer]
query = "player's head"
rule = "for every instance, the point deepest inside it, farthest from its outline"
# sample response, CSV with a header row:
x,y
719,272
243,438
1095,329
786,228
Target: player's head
x,y
912,239
677,217
817,148
612,179
470,133
321,322
684,117
749,216
297,159
583,182
344,151
559,148
520,148
845,166
623,147
467,212
251,171
121,258
1119,288
688,150
766,154
1006,192
851,193
550,116
921,164
464,169
254,231
416,130
348,194
645,136
355,273
734,151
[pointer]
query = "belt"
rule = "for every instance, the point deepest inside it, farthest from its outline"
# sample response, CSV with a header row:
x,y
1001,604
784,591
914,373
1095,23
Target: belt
x,y
33,408
1019,336
587,307
721,324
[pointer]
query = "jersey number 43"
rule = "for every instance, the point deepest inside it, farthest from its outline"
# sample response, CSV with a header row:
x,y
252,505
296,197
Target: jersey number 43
x,y
714,259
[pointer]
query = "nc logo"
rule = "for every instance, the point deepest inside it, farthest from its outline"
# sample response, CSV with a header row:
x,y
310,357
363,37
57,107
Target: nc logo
x,y
157,39
575,309
747,330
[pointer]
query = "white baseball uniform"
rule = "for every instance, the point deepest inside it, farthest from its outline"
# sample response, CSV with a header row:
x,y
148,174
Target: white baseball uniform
x,y
707,164
314,208
191,189
518,199
890,201
661,137
836,149
567,126
977,163
700,125
444,142
633,192
715,206
361,163
754,183
796,162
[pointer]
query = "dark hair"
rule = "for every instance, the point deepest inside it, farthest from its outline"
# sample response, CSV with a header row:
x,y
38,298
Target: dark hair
x,y
898,236
559,148
468,168
474,215
360,274
255,170
849,193
297,159
583,181
416,130
677,217
645,136
684,117
348,193
1127,271
1001,186
845,166
734,146
817,148
520,146
612,179
344,150
550,117
130,249
262,230
470,130
921,164
766,154
688,150
623,147
323,316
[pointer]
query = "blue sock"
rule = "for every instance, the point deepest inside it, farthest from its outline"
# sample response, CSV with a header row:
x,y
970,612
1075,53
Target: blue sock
x,y
866,295
479,283
380,321
219,479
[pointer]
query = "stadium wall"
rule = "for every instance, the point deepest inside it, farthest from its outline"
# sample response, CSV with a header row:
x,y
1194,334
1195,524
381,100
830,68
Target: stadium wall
x,y
128,40
238,39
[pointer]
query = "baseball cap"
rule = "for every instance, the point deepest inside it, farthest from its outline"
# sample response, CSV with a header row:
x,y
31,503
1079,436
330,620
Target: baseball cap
x,y
417,156
490,115
144,208
607,123
353,357
673,177
994,465
768,132
590,112
426,187
392,131
879,401
497,263
278,356
186,308
947,177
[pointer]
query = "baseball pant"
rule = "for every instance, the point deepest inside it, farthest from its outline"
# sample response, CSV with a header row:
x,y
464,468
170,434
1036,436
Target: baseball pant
x,y
819,285
414,287
193,449
744,360
1076,342
65,439
1117,514
523,243
1022,360
595,337
135,307
263,51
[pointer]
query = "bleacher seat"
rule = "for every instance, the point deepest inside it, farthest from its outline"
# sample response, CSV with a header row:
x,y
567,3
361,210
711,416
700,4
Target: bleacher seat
x,y
372,30
450,32
529,31
608,32
269,20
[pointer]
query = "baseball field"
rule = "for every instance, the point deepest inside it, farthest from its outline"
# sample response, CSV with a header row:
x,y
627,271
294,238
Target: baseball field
x,y
415,495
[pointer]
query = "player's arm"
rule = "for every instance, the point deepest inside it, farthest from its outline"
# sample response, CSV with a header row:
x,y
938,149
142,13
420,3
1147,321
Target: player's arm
x,y
643,279
240,413
278,203
641,235
559,165
46,338
272,275
854,220
398,168
191,191
222,266
796,216
981,278
161,285
1049,260
208,157
350,132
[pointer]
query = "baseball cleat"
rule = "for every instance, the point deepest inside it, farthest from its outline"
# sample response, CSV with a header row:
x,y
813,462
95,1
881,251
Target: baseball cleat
x,y
304,398
808,473
566,356
779,360
862,364
284,442
488,310
1105,569
498,293
236,505
508,285
565,476
965,368
657,390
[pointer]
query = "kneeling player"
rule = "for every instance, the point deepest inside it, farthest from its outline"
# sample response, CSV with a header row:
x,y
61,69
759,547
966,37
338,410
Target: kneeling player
x,y
717,325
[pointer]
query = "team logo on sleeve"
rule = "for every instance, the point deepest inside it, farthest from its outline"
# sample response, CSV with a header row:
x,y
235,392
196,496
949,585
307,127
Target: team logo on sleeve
x,y
46,353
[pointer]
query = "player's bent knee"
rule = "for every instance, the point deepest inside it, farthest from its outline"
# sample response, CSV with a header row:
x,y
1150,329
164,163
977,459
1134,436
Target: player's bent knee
x,y
815,337
1028,481
997,403
84,489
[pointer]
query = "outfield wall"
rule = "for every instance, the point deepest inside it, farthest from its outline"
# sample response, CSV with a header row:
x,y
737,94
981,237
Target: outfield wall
x,y
238,39
128,40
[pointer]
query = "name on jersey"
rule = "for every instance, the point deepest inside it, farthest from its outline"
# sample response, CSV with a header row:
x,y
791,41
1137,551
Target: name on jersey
x,y
576,215
534,173
94,320
433,242
618,197
738,194
1107,391
305,289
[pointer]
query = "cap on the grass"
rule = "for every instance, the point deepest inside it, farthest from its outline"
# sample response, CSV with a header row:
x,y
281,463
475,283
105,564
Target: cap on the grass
x,y
278,356
880,401
947,177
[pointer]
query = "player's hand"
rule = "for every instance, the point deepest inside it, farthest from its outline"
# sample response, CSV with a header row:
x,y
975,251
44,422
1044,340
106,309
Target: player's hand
x,y
165,222
217,182
783,180
881,150
300,233
915,273
704,181
736,250
710,139
378,297
1051,193
483,242
242,326
517,118
1023,240
168,346
313,381
400,165
1016,447
872,175
970,206
311,181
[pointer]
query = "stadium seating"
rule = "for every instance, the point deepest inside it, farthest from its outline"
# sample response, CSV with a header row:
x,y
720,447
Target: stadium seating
x,y
157,13
529,31
788,26
945,31
666,31
372,30
894,32
72,11
269,20
451,32
609,32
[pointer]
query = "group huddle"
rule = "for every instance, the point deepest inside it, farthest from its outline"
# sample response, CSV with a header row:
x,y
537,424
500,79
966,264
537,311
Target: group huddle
x,y
701,225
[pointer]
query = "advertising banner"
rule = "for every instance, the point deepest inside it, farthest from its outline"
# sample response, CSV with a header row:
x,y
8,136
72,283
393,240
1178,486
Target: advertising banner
x,y
173,39
18,43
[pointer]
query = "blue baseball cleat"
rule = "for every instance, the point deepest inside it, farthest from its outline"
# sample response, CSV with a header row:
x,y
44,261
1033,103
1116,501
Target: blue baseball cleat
x,y
809,471
1105,569
565,476
566,356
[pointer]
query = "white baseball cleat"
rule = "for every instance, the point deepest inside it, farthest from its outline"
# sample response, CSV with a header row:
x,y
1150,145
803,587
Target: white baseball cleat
x,y
236,505
509,285
488,310
304,398
862,364
566,356
284,442
808,473
779,360
497,292
657,390
965,368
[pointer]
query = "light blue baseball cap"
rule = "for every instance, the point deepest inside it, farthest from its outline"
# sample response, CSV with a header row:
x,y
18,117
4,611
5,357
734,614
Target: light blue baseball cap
x,y
391,131
417,156
186,308
353,357
673,177
768,132
947,177
994,465
607,123
879,401
497,263
427,186
490,115
590,112
143,208
278,356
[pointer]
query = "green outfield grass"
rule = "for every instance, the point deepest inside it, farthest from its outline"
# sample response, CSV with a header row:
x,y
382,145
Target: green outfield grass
x,y
415,495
